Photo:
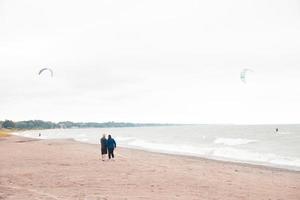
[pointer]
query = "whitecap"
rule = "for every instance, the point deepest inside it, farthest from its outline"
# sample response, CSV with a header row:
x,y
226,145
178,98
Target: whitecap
x,y
233,141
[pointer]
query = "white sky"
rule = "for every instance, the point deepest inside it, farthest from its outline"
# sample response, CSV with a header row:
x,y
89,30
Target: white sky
x,y
150,61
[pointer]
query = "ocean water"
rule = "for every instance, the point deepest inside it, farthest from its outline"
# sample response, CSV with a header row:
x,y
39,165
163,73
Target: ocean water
x,y
255,144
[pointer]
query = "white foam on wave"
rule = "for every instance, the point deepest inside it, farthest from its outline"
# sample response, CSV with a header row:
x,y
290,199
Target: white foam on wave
x,y
170,148
82,135
256,157
284,133
233,141
222,153
286,162
124,139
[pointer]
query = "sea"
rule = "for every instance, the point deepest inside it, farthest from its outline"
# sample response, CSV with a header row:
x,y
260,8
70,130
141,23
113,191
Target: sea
x,y
253,144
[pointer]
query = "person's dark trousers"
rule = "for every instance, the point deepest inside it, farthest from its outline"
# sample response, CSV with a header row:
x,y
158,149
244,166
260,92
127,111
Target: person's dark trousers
x,y
111,153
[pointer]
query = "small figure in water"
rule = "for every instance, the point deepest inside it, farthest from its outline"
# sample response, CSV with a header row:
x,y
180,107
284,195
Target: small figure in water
x,y
276,130
40,134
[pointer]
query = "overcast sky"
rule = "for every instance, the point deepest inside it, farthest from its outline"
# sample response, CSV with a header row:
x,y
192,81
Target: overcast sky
x,y
150,61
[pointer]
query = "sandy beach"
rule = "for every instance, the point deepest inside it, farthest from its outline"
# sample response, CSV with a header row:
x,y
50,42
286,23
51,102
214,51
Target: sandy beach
x,y
65,169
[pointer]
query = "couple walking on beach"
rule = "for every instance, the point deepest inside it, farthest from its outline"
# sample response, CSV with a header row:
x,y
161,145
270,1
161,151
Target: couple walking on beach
x,y
107,145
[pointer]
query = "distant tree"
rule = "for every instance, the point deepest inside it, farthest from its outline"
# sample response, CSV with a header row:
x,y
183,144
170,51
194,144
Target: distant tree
x,y
36,124
39,124
8,124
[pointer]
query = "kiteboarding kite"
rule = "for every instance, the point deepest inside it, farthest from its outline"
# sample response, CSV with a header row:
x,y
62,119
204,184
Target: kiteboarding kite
x,y
46,69
244,74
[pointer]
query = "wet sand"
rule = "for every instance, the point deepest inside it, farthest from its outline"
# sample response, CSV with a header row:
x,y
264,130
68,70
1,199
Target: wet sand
x,y
65,169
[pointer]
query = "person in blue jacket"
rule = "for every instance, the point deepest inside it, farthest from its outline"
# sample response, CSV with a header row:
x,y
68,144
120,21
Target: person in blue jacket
x,y
111,145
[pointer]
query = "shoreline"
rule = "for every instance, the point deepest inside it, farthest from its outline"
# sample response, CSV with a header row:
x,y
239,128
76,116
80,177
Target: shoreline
x,y
262,166
67,169
216,159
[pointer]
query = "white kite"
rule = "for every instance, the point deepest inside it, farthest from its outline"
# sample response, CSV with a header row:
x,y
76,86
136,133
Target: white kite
x,y
46,69
244,74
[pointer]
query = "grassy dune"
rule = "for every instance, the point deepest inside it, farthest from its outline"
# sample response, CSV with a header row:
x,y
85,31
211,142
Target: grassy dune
x,y
4,132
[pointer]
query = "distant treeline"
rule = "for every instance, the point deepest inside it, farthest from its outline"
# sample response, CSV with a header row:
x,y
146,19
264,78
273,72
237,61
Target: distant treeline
x,y
39,124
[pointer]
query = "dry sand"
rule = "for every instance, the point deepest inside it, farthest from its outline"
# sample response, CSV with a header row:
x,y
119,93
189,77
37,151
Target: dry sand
x,y
64,169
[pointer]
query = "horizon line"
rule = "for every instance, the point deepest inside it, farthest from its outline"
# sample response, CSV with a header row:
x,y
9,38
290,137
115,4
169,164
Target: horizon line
x,y
158,123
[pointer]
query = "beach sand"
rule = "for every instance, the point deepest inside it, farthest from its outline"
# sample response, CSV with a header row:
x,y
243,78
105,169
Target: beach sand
x,y
65,169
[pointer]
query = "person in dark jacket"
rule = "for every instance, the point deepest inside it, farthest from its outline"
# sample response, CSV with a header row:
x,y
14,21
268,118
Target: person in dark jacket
x,y
103,142
111,145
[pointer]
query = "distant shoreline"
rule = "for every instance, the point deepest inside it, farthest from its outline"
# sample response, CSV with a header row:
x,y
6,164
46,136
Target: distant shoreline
x,y
40,124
